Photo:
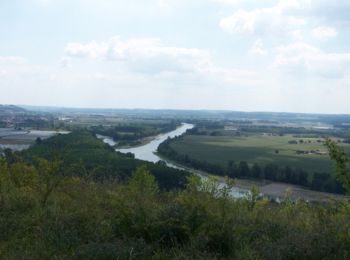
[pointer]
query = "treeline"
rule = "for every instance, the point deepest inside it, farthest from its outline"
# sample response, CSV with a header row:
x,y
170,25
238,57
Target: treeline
x,y
272,172
36,123
317,181
26,120
215,128
82,155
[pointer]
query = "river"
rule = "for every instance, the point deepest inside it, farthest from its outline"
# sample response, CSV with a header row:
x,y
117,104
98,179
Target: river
x,y
147,152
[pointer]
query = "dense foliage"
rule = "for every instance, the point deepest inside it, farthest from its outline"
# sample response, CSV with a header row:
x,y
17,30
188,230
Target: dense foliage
x,y
83,155
342,163
46,215
73,197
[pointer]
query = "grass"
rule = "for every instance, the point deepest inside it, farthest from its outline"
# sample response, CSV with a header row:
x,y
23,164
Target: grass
x,y
256,149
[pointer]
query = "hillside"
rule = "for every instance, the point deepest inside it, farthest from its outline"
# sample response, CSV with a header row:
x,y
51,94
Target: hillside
x,y
11,109
82,154
45,214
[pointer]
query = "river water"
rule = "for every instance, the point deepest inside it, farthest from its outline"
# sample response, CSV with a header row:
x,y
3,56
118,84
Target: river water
x,y
148,151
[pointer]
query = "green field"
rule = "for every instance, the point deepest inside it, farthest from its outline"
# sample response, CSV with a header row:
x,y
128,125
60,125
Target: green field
x,y
256,149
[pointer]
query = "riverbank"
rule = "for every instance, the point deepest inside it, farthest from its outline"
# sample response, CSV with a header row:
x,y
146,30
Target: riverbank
x,y
273,190
141,142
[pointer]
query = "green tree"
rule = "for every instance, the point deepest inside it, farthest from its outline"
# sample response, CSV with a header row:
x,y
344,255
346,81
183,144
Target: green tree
x,y
143,183
256,171
50,176
243,169
341,159
232,170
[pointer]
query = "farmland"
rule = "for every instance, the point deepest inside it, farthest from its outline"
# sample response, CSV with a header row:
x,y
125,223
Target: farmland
x,y
246,150
257,148
19,139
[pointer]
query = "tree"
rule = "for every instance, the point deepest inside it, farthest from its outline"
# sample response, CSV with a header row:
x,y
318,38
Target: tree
x,y
320,181
50,176
232,170
143,183
341,159
302,177
243,169
256,171
38,141
288,174
10,156
271,171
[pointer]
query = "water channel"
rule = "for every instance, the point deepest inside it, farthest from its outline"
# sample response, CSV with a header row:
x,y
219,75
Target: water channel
x,y
147,152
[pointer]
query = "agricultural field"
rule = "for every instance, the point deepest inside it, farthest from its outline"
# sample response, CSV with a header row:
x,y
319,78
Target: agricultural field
x,y
307,153
22,139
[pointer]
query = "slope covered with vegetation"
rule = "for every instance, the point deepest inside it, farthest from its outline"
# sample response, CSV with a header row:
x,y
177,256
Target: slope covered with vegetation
x,y
81,154
45,217
58,207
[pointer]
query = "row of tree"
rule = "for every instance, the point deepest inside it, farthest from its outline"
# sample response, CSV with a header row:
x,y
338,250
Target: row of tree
x,y
316,181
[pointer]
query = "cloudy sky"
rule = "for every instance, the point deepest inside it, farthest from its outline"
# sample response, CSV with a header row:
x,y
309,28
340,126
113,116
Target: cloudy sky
x,y
248,55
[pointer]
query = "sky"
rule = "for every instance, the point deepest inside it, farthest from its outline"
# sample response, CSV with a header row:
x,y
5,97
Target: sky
x,y
243,55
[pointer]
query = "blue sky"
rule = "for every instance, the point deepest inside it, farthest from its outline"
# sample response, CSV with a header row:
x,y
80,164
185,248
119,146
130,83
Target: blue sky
x,y
288,55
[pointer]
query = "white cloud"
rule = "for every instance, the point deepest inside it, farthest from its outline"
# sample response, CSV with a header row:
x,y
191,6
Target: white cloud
x,y
294,4
12,60
323,32
147,55
297,35
150,72
284,4
92,50
228,2
65,62
150,57
258,48
240,22
275,19
14,68
334,11
309,60
3,73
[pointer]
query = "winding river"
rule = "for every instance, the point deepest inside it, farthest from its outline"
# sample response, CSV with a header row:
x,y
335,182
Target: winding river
x,y
148,151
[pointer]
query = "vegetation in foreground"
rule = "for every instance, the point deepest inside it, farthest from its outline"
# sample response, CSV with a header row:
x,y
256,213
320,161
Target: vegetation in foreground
x,y
44,215
47,212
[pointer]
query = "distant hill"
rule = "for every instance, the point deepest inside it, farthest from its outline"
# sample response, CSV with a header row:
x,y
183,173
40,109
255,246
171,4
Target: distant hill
x,y
11,109
271,117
